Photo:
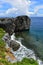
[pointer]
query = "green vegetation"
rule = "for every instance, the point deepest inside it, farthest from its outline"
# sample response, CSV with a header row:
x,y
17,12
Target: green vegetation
x,y
4,61
2,44
25,61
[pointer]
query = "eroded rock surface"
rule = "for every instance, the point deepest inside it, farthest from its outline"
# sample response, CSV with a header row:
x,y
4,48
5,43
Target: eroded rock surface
x,y
11,43
14,45
18,24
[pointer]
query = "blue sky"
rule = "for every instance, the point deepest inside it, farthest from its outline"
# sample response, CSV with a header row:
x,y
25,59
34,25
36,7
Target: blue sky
x,y
13,8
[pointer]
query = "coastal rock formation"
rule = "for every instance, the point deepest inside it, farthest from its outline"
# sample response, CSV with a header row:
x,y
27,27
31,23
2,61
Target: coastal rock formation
x,y
14,45
11,43
7,25
22,23
15,51
18,24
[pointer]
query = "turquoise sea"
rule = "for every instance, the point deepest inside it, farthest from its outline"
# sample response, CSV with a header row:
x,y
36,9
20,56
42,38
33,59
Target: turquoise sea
x,y
36,31
33,38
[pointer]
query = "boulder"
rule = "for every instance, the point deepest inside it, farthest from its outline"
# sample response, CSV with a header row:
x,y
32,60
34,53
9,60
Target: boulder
x,y
18,24
11,43
14,45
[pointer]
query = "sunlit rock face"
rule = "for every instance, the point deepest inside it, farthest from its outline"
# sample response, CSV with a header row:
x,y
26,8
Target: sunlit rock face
x,y
18,24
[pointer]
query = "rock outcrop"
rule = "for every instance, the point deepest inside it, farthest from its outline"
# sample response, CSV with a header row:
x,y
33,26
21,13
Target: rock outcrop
x,y
14,45
18,24
15,51
11,43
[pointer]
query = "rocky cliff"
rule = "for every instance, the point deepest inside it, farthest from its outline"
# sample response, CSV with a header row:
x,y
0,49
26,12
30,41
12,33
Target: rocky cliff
x,y
18,24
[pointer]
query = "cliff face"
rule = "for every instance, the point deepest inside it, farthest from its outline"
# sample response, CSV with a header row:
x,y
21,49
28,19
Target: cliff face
x,y
18,24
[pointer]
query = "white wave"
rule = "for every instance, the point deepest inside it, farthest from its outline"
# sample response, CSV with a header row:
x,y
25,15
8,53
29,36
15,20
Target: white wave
x,y
22,52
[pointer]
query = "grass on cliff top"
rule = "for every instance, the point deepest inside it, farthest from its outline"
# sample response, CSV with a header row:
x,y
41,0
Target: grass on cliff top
x,y
4,61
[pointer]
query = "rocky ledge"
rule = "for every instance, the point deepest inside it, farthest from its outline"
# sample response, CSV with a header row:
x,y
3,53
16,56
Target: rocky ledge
x,y
18,24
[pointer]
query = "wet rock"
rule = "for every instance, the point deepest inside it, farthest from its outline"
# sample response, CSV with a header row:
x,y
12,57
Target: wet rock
x,y
14,45
6,38
11,42
18,24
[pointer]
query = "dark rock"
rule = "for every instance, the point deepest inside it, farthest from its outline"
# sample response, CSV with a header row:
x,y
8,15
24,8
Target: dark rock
x,y
22,23
14,45
11,43
7,25
18,24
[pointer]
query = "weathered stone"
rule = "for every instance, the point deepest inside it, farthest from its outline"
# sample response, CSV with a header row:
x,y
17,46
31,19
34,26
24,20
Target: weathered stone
x,y
7,25
18,24
14,45
22,23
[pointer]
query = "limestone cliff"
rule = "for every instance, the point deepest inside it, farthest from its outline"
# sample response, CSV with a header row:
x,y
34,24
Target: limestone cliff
x,y
18,24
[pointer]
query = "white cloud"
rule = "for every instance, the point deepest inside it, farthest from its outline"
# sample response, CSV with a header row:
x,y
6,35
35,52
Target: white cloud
x,y
20,7
11,10
37,8
8,12
29,13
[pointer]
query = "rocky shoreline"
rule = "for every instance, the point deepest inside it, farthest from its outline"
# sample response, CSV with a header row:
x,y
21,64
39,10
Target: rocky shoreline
x,y
15,50
20,53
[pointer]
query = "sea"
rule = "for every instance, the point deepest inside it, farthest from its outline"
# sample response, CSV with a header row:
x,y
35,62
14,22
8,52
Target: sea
x,y
33,39
36,31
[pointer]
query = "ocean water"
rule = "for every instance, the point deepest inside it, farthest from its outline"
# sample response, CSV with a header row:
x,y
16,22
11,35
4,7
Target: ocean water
x,y
33,39
37,26
36,31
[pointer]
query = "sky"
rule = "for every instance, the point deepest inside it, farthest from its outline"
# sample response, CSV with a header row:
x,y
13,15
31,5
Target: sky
x,y
13,8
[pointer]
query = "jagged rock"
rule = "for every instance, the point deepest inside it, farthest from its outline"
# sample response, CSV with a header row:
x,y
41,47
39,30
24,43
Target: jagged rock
x,y
14,45
22,23
7,25
11,43
18,24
